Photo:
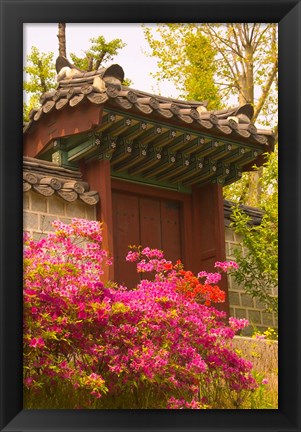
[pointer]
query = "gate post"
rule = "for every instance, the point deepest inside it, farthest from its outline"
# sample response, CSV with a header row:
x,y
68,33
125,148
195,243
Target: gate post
x,y
209,232
98,174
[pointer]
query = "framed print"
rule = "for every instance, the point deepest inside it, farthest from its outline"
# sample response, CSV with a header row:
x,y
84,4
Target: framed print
x,y
136,165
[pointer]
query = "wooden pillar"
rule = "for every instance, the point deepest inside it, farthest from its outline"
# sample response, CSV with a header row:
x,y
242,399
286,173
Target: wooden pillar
x,y
209,232
98,175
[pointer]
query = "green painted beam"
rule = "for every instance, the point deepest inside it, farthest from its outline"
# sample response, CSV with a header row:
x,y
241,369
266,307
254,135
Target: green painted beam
x,y
209,148
117,128
193,170
220,152
149,135
235,155
182,164
234,175
221,176
193,146
153,157
178,143
183,130
208,171
136,155
150,182
248,157
82,150
165,138
123,151
166,159
135,131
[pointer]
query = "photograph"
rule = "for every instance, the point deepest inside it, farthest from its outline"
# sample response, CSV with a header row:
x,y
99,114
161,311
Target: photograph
x,y
150,222
150,216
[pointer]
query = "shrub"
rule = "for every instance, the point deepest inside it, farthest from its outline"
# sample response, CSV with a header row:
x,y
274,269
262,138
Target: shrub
x,y
90,345
258,263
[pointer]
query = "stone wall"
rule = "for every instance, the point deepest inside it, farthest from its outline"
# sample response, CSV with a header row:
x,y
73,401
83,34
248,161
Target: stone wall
x,y
39,211
243,305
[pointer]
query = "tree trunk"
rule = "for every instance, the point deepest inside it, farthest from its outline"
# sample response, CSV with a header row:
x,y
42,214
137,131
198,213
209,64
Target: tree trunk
x,y
62,39
246,78
90,64
252,195
249,89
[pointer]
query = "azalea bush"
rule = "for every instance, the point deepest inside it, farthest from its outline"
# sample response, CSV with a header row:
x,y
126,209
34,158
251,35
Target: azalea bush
x,y
91,345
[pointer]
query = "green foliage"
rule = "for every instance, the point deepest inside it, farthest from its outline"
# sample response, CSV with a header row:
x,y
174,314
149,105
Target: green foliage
x,y
99,53
41,71
27,107
258,265
269,334
263,397
219,61
186,58
235,191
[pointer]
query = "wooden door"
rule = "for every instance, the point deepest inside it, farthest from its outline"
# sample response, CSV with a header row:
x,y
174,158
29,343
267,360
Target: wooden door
x,y
145,221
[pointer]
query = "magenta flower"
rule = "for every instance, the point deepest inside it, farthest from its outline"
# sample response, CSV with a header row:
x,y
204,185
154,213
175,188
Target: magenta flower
x,y
37,343
107,340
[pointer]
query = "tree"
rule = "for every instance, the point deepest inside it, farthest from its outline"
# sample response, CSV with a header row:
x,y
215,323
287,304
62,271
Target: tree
x,y
62,39
245,65
100,52
41,71
248,63
186,58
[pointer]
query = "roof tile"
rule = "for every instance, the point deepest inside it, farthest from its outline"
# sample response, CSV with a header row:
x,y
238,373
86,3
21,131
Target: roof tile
x,y
98,90
48,178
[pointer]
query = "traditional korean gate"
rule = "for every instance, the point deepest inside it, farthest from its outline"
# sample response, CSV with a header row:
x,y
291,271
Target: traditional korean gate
x,y
145,221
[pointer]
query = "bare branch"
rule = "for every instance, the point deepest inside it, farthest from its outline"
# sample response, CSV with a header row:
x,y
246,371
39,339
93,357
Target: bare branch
x,y
225,58
221,39
241,36
256,43
238,47
253,33
246,33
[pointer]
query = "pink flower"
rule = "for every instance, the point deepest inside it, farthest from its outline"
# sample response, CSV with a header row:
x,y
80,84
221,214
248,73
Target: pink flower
x,y
97,394
132,256
260,337
37,343
238,324
226,265
28,381
264,381
149,333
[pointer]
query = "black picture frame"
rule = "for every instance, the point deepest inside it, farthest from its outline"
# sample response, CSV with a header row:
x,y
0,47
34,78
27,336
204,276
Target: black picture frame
x,y
13,15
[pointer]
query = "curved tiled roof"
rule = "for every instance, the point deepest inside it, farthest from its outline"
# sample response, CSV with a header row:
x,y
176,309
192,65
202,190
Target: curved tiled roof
x,y
48,178
99,87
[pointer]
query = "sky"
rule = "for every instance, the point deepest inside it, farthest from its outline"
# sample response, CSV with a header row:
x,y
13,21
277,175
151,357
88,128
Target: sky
x,y
136,65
